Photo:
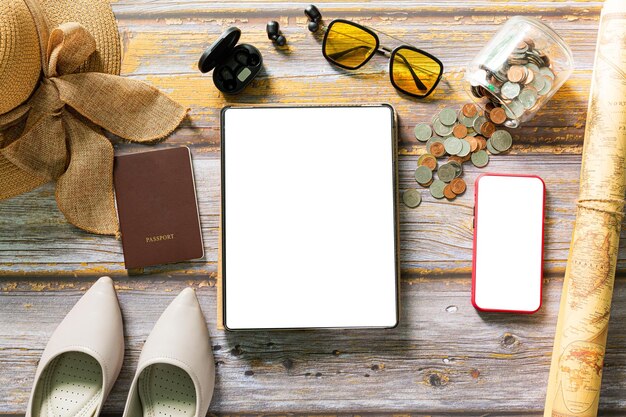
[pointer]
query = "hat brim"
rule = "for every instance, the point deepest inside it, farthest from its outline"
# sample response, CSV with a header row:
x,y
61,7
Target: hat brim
x,y
98,18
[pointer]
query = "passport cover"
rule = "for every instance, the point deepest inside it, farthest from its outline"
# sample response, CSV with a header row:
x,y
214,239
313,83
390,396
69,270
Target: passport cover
x,y
157,207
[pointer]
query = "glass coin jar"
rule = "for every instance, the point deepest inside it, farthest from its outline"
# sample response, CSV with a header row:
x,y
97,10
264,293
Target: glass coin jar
x,y
519,70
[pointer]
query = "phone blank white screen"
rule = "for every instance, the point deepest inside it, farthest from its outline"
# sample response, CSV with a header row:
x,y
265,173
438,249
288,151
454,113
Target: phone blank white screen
x,y
509,236
309,229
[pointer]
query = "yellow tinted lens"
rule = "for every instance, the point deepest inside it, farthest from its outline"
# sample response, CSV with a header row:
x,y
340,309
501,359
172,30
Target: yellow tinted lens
x,y
348,45
413,72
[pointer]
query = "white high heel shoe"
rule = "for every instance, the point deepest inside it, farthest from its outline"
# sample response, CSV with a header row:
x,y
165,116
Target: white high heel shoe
x,y
82,359
176,370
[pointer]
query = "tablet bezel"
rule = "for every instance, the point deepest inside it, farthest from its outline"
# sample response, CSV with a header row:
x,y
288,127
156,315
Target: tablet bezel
x,y
222,240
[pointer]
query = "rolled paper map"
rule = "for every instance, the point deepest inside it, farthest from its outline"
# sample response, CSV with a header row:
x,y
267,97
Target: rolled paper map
x,y
582,328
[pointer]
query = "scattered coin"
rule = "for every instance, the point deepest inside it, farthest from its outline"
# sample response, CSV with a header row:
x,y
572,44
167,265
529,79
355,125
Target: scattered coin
x,y
458,186
436,189
469,110
412,198
423,175
458,167
459,131
428,161
498,115
471,135
490,148
501,140
487,129
423,132
446,172
448,193
453,145
480,159
447,117
441,129
437,149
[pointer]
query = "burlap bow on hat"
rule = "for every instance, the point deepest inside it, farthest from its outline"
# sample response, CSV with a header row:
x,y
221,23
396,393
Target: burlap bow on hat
x,y
57,133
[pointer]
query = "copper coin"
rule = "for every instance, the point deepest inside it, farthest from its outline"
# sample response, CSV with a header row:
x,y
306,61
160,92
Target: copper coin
x,y
448,193
458,186
473,143
530,43
469,110
437,149
482,142
466,157
489,106
498,115
486,129
459,131
516,73
455,158
430,162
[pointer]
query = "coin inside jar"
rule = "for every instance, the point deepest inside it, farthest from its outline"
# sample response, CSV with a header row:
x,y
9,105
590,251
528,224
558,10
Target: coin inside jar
x,y
517,73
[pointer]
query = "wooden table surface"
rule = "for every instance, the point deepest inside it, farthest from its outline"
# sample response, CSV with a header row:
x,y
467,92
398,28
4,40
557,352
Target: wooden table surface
x,y
444,358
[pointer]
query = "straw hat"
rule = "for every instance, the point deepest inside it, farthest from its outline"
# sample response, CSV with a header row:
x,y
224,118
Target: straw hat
x,y
21,47
60,90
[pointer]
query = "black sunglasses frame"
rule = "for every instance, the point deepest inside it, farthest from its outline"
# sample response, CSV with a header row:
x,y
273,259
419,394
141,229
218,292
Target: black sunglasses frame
x,y
384,50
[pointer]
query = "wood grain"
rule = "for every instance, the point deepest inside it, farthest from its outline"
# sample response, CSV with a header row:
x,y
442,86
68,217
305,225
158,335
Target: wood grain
x,y
444,358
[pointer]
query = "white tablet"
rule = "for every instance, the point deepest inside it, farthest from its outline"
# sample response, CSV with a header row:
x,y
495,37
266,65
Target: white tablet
x,y
309,222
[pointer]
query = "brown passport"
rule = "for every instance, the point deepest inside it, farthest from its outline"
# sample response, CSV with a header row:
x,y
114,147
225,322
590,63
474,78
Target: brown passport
x,y
157,207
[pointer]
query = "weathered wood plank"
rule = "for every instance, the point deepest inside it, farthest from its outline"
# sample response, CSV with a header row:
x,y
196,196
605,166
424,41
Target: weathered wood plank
x,y
440,361
434,238
444,356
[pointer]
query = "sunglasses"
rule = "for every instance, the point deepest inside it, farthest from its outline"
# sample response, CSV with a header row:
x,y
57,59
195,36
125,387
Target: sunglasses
x,y
350,46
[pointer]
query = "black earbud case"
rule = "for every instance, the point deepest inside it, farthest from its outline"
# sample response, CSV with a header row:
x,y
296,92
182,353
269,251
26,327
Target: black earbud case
x,y
234,66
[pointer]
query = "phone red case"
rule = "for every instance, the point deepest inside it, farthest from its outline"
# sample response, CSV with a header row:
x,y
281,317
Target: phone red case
x,y
537,289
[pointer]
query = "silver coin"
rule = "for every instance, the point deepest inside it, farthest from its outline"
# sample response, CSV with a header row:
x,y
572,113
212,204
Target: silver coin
x,y
510,90
501,140
528,98
547,72
517,108
490,148
411,198
436,189
478,123
534,68
453,145
539,82
465,150
447,117
441,129
546,87
423,132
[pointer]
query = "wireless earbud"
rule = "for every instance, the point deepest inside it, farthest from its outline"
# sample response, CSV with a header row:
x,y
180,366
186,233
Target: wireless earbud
x,y
235,66
315,17
273,33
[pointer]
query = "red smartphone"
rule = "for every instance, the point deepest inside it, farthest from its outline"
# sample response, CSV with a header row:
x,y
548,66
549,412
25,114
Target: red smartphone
x,y
507,270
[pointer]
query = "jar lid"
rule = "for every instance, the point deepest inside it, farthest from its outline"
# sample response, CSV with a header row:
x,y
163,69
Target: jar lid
x,y
216,52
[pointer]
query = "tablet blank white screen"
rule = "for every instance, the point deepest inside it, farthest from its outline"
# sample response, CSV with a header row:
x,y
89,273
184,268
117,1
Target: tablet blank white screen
x,y
309,235
509,243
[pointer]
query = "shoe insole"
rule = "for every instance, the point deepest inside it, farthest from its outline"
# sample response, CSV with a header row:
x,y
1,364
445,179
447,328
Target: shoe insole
x,y
166,391
70,386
